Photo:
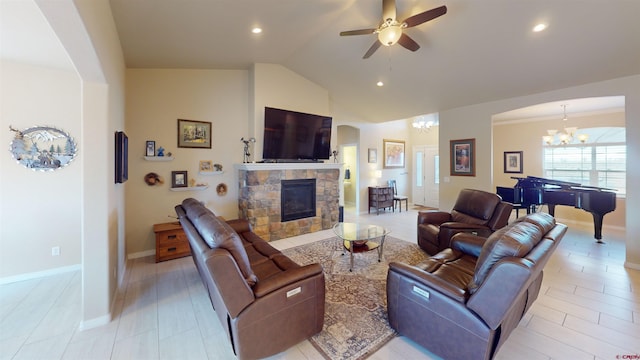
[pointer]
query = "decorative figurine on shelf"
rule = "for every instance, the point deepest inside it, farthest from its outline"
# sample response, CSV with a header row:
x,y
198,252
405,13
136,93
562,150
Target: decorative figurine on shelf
x,y
160,151
247,154
335,156
217,167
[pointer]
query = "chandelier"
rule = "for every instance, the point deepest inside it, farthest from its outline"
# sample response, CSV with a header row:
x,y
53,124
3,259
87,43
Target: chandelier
x,y
421,124
565,137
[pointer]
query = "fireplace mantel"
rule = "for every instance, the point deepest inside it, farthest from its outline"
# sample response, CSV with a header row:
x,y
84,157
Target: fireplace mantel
x,y
286,166
259,197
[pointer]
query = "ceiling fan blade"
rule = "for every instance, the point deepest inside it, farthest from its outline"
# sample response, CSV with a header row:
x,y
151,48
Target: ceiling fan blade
x,y
372,49
388,9
408,43
358,32
423,17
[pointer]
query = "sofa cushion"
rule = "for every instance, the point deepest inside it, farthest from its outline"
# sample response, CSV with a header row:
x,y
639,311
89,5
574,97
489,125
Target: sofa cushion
x,y
515,240
218,234
194,208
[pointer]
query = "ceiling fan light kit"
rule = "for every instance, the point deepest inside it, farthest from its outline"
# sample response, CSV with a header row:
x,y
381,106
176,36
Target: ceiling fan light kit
x,y
390,30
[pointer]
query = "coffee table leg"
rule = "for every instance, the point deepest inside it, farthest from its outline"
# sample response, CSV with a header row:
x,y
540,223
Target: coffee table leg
x,y
351,254
381,248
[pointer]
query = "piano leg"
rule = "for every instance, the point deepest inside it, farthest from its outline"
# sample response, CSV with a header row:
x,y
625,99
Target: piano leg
x,y
552,209
597,224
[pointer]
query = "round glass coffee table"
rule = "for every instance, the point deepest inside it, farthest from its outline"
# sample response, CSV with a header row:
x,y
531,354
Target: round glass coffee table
x,y
359,238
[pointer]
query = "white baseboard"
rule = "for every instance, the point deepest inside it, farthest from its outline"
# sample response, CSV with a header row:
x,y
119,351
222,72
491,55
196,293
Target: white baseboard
x,y
140,254
39,274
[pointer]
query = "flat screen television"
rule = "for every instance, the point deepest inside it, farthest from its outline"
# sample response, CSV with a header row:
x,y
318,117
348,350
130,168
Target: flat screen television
x,y
294,136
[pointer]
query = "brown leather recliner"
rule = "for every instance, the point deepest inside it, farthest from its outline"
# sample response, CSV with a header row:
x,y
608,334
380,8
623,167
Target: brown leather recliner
x,y
477,212
265,302
463,302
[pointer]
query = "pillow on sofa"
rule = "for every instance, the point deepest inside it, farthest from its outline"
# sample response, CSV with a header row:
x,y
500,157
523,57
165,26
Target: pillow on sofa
x,y
218,234
515,240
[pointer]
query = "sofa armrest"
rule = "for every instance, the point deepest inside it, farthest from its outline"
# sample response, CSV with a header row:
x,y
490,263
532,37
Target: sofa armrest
x,y
433,217
428,280
468,243
239,225
282,279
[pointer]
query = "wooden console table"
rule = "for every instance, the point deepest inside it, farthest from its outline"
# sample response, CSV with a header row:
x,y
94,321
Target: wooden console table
x,y
171,242
380,197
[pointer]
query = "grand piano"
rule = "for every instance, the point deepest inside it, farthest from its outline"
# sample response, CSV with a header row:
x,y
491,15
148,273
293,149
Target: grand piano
x,y
532,191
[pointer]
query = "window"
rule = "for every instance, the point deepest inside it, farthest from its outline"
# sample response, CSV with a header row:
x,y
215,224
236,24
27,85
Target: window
x,y
600,161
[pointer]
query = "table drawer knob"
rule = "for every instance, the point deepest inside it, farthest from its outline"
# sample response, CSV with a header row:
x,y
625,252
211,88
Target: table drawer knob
x,y
172,249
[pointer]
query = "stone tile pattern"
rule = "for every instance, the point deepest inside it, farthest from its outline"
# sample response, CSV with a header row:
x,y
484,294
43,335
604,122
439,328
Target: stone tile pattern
x,y
259,201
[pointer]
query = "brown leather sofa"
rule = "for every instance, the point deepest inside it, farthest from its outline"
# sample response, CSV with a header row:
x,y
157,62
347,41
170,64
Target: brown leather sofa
x,y
264,301
463,302
475,211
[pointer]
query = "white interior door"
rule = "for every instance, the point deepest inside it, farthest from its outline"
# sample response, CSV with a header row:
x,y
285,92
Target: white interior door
x,y
426,181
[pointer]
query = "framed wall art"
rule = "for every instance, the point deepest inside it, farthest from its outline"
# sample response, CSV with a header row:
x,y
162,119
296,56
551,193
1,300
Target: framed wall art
x,y
373,156
179,179
42,148
122,157
393,153
150,149
513,162
194,134
463,157
206,166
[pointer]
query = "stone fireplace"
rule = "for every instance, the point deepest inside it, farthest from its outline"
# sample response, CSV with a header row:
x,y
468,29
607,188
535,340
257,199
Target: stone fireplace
x,y
260,197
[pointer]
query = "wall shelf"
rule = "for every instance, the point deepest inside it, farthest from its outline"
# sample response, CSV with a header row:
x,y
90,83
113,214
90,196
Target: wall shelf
x,y
207,173
158,158
190,188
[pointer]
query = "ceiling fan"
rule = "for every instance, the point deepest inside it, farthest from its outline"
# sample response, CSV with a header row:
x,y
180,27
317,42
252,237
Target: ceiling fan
x,y
390,30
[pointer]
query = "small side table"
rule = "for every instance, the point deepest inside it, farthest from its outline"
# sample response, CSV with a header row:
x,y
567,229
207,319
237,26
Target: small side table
x,y
171,242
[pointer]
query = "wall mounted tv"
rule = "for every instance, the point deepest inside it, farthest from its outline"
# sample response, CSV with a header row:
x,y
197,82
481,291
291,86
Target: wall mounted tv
x,y
295,136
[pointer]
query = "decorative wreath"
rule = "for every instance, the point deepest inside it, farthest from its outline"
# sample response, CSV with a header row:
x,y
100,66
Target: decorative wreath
x,y
221,189
153,179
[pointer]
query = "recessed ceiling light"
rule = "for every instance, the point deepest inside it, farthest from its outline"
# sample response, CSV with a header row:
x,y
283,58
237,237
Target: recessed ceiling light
x,y
380,83
256,30
539,27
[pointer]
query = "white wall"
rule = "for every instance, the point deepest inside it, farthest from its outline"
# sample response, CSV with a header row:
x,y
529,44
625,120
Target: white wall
x,y
156,99
475,122
39,209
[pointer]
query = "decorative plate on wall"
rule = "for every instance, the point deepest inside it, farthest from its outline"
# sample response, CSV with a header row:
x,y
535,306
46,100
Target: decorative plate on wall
x,y
221,189
43,148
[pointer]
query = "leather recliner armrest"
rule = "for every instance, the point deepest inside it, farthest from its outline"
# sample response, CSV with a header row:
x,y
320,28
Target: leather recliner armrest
x,y
468,243
288,277
448,229
429,281
433,217
239,225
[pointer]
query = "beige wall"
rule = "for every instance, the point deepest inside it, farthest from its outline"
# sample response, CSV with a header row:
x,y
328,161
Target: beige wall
x,y
155,100
227,99
531,146
475,122
39,209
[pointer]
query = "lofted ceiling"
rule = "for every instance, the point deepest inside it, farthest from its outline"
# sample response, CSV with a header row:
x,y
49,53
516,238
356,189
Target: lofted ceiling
x,y
479,51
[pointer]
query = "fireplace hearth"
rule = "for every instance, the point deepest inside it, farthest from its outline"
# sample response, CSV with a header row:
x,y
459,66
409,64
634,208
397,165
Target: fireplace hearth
x,y
297,199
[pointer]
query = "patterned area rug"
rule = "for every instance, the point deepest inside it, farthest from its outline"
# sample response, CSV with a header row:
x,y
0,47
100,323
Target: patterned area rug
x,y
355,322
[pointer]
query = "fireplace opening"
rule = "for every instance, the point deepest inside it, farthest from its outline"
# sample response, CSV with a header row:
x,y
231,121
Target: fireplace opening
x,y
297,199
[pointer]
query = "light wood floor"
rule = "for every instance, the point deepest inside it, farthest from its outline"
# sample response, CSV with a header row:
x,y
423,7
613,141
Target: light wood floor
x,y
588,308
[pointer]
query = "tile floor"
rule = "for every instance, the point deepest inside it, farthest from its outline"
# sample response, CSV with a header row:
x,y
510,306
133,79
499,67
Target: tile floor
x,y
588,308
